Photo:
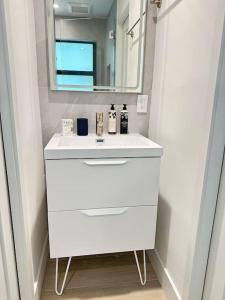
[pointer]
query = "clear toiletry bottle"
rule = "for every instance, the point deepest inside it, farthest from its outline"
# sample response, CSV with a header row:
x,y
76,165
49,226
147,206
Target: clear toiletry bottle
x,y
124,120
112,120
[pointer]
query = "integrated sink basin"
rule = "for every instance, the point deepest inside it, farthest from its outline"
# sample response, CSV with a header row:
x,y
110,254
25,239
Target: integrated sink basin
x,y
106,146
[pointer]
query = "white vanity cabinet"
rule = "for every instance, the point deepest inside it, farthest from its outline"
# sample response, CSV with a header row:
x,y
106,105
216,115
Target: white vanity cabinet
x,y
103,203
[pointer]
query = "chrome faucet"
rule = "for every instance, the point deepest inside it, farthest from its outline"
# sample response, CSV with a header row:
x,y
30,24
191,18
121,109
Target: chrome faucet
x,y
99,124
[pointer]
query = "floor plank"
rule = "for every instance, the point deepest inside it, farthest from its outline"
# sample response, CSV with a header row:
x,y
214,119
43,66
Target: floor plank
x,y
105,277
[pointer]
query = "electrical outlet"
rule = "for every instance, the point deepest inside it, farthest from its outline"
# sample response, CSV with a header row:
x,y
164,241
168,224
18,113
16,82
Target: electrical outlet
x,y
142,104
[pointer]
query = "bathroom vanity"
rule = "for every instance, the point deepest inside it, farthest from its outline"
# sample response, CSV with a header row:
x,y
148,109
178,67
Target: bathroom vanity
x,y
102,194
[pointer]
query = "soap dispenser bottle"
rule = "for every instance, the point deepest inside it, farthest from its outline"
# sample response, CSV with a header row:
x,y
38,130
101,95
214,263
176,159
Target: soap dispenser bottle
x,y
124,120
112,120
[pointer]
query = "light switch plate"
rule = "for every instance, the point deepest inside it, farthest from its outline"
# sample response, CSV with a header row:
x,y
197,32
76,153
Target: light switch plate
x,y
142,104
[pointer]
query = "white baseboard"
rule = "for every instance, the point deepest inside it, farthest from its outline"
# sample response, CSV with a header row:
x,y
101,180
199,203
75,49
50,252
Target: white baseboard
x,y
41,270
163,276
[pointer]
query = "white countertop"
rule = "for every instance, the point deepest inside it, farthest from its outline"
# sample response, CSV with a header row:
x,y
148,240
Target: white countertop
x,y
106,146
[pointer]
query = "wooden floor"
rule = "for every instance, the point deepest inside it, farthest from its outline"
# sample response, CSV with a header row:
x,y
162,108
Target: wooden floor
x,y
108,277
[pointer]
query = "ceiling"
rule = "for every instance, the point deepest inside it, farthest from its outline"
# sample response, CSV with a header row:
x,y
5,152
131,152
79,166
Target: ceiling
x,y
83,8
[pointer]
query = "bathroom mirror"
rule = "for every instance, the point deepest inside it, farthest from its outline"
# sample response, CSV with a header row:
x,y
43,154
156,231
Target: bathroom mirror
x,y
96,45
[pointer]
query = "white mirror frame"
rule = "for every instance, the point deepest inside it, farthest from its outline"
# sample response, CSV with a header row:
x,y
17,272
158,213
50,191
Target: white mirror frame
x,y
118,89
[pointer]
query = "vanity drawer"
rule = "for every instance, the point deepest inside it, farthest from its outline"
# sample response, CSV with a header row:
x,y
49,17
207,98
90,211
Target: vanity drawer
x,y
95,183
97,231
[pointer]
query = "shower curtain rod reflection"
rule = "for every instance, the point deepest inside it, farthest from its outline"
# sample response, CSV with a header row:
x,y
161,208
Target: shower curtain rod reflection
x,y
130,32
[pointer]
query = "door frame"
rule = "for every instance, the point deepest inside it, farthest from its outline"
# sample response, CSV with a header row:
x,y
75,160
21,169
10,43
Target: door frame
x,y
19,225
8,270
210,287
197,264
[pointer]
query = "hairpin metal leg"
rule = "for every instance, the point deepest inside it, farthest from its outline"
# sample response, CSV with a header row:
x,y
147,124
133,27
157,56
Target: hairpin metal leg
x,y
143,281
59,293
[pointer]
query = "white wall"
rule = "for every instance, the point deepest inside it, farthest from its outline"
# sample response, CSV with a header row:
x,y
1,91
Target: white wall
x,y
29,214
135,58
133,43
110,46
122,14
129,9
188,40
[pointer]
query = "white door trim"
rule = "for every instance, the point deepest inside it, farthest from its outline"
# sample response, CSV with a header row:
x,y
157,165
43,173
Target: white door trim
x,y
197,263
8,273
214,283
23,252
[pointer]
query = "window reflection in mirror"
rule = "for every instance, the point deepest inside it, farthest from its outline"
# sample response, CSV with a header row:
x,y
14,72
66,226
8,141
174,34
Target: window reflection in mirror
x,y
96,44
73,71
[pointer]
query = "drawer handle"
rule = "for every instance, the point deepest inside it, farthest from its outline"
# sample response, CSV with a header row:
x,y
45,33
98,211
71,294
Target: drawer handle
x,y
105,162
104,212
